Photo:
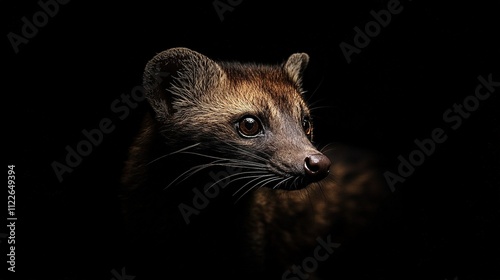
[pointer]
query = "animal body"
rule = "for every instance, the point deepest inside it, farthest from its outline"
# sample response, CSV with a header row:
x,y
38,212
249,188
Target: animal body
x,y
223,178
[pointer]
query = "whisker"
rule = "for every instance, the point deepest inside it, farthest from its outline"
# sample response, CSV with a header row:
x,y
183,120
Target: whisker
x,y
172,153
256,177
294,182
316,89
247,153
250,163
328,148
316,108
262,183
236,174
282,182
259,177
193,170
313,104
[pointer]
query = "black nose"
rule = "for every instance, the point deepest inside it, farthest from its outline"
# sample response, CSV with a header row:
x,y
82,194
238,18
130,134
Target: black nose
x,y
317,166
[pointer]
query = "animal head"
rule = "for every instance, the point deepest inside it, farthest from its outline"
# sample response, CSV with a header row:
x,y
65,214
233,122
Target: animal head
x,y
247,115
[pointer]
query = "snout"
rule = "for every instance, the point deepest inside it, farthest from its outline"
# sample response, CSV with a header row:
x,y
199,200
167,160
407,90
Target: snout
x,y
316,166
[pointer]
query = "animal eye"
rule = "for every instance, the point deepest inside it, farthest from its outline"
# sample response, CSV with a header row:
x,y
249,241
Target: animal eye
x,y
249,126
307,126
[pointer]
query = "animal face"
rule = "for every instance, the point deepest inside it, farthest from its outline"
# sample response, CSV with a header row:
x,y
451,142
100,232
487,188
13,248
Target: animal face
x,y
245,115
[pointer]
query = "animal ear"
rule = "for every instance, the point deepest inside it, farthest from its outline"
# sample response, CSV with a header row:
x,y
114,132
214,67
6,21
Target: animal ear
x,y
178,76
295,66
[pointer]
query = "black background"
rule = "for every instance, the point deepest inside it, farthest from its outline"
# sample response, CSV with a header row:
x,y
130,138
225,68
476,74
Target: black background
x,y
441,223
